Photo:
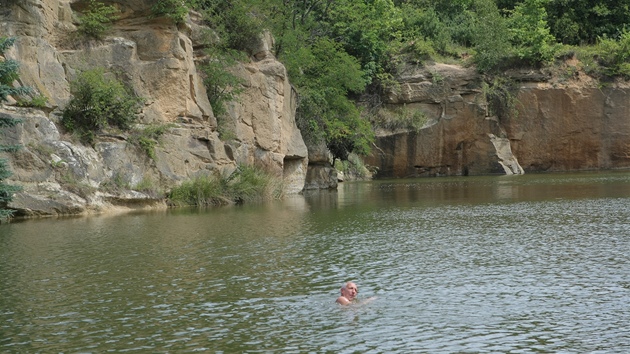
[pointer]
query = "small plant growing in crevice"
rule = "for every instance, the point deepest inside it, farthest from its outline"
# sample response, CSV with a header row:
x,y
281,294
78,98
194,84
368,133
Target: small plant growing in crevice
x,y
221,85
98,102
176,10
96,21
404,117
500,97
353,168
148,186
148,138
69,181
38,101
116,183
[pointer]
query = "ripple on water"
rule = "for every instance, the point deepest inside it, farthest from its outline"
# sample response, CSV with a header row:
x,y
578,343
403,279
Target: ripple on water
x,y
546,276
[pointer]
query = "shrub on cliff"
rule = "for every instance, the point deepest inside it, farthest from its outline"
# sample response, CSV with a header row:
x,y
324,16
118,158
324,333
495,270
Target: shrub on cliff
x,y
97,103
529,33
8,74
176,10
614,55
97,19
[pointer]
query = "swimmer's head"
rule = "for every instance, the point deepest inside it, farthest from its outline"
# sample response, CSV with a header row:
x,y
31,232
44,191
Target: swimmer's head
x,y
349,290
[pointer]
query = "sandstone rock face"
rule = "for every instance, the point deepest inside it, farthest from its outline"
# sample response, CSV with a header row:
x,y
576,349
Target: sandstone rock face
x,y
567,126
571,128
321,174
158,61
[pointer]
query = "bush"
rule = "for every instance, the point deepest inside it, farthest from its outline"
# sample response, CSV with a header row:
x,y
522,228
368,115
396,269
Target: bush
x,y
245,184
500,96
221,85
149,137
8,74
97,19
614,55
176,10
530,34
97,103
491,42
325,75
401,118
237,23
38,101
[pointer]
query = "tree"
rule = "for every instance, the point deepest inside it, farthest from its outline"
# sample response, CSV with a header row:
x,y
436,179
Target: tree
x,y
324,75
491,39
529,32
8,74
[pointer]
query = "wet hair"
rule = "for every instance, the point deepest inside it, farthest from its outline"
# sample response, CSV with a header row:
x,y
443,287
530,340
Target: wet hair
x,y
345,286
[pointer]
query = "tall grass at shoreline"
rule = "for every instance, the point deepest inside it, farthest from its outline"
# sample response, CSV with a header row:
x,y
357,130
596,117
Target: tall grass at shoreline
x,y
245,184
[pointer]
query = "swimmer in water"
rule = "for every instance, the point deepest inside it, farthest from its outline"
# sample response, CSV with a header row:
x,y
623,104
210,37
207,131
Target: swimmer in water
x,y
349,292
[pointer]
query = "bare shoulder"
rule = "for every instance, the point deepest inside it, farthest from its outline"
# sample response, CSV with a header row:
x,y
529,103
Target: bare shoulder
x,y
342,300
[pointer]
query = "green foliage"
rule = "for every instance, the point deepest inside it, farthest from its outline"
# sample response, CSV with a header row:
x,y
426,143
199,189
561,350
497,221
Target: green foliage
x,y
221,85
500,97
201,191
353,168
38,101
148,138
237,23
336,51
97,19
404,117
364,28
614,55
491,41
6,190
324,75
176,10
580,22
530,34
148,186
97,103
245,184
9,72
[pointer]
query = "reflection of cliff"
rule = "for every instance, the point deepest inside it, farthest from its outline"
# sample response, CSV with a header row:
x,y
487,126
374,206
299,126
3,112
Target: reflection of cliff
x,y
560,126
158,61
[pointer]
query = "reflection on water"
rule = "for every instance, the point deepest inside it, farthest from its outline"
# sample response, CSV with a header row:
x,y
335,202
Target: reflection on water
x,y
534,263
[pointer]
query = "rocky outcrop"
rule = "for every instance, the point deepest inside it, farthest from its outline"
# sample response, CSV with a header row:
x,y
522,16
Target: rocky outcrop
x,y
158,61
559,125
571,127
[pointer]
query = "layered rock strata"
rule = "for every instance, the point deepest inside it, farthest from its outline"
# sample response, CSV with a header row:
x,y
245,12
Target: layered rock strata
x,y
158,61
558,124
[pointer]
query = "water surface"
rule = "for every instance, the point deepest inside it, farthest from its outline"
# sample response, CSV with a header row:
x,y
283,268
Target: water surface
x,y
521,264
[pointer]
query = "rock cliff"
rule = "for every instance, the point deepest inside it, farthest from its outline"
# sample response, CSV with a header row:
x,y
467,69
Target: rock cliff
x,y
562,122
567,123
158,61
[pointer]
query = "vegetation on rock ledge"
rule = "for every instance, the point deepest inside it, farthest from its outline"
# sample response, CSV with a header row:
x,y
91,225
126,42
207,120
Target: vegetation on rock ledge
x,y
8,74
246,183
338,52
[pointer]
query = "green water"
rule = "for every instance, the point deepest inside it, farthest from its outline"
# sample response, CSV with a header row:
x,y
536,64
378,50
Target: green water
x,y
522,264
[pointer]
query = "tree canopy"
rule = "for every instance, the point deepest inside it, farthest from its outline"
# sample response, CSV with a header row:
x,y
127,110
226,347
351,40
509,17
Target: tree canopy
x,y
335,50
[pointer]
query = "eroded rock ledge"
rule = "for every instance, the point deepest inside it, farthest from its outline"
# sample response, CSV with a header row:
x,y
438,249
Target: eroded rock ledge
x,y
158,61
561,124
